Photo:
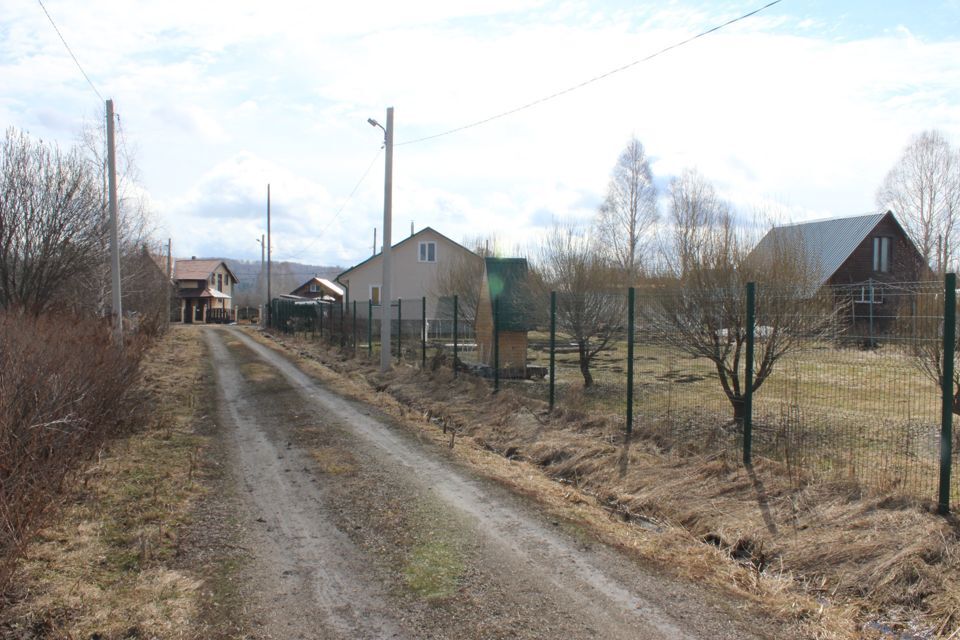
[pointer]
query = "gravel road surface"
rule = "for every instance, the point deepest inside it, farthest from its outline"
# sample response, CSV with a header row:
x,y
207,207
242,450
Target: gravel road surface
x,y
356,529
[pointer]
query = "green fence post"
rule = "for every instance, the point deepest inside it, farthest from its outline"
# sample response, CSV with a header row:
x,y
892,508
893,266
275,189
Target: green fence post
x,y
320,310
748,377
423,333
496,344
553,347
946,383
343,334
631,296
369,328
354,328
455,331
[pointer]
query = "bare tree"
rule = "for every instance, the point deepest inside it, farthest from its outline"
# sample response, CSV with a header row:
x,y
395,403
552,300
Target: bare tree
x,y
629,211
52,223
923,189
590,301
462,277
703,312
135,225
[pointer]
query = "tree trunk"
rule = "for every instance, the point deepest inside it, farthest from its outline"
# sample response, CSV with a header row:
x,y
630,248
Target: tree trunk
x,y
739,410
585,365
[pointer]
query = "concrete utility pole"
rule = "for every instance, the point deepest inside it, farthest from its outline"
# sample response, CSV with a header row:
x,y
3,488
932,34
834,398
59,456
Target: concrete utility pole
x,y
385,315
169,279
268,257
117,309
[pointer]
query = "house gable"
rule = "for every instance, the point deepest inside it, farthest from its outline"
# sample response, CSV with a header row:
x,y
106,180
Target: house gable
x,y
414,269
903,261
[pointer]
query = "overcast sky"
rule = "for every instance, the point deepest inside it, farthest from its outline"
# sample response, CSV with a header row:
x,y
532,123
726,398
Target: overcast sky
x,y
804,106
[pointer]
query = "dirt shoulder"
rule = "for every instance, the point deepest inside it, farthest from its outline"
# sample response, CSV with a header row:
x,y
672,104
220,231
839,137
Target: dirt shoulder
x,y
829,557
360,527
123,558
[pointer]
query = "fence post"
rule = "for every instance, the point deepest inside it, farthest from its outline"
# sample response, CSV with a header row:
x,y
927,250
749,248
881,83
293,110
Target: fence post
x,y
343,334
399,329
748,377
496,344
946,383
370,328
631,297
423,332
455,331
553,347
354,328
320,309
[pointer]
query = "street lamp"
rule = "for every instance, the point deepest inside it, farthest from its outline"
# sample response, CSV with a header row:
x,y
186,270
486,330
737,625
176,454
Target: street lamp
x,y
385,315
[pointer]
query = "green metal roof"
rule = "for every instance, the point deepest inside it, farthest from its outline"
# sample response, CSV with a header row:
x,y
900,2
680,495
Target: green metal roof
x,y
507,284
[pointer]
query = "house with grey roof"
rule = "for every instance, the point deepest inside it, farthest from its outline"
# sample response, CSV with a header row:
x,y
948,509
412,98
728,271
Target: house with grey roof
x,y
864,259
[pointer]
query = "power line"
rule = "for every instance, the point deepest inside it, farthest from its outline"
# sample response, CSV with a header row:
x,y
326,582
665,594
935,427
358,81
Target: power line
x,y
591,80
342,206
70,51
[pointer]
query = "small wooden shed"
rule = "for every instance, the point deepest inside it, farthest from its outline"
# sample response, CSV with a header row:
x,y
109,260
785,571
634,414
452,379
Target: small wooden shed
x,y
504,288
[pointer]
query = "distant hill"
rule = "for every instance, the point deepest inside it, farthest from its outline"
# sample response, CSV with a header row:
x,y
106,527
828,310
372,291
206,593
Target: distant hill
x,y
285,277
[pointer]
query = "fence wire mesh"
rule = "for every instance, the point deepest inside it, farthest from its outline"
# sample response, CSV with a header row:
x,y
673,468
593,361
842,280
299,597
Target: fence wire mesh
x,y
846,382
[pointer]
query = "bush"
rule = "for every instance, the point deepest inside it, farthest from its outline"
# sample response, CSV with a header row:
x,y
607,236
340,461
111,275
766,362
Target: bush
x,y
64,388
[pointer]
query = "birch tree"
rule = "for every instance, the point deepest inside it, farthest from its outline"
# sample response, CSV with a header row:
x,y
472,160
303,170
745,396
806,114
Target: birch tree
x,y
629,211
923,190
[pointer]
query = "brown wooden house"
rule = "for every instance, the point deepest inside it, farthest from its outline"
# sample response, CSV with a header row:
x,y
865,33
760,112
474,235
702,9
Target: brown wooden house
x,y
204,290
868,262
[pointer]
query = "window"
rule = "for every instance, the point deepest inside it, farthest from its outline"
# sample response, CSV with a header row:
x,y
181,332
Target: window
x,y
881,254
870,294
375,293
314,288
428,252
219,282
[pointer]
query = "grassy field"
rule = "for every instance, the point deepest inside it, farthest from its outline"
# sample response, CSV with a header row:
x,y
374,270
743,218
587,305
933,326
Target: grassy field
x,y
868,416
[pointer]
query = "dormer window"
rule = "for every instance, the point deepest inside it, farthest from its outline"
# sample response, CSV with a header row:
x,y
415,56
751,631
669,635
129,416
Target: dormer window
x,y
881,254
428,252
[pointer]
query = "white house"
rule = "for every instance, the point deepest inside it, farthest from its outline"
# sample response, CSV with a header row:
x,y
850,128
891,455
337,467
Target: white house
x,y
415,263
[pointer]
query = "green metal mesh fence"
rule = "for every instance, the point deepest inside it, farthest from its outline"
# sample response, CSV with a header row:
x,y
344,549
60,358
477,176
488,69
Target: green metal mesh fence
x,y
846,383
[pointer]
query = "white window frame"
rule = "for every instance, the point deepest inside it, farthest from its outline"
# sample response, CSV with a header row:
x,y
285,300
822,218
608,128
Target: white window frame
x,y
881,254
877,297
423,251
379,291
314,288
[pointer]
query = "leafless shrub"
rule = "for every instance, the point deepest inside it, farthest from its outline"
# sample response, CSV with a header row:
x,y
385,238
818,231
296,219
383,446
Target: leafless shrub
x,y
590,300
64,388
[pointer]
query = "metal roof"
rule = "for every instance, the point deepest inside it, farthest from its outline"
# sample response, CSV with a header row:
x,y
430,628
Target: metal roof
x,y
331,287
826,243
506,282
194,269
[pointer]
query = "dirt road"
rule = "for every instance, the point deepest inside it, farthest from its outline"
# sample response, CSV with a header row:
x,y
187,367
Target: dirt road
x,y
355,529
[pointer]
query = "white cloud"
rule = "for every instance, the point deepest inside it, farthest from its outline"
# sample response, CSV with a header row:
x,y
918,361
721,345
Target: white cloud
x,y
223,97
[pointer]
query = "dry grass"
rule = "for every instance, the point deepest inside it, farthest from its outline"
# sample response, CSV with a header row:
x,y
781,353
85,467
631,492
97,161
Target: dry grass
x,y
838,560
107,568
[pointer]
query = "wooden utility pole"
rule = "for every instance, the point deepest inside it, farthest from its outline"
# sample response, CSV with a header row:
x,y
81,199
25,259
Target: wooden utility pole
x,y
385,295
169,259
117,309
